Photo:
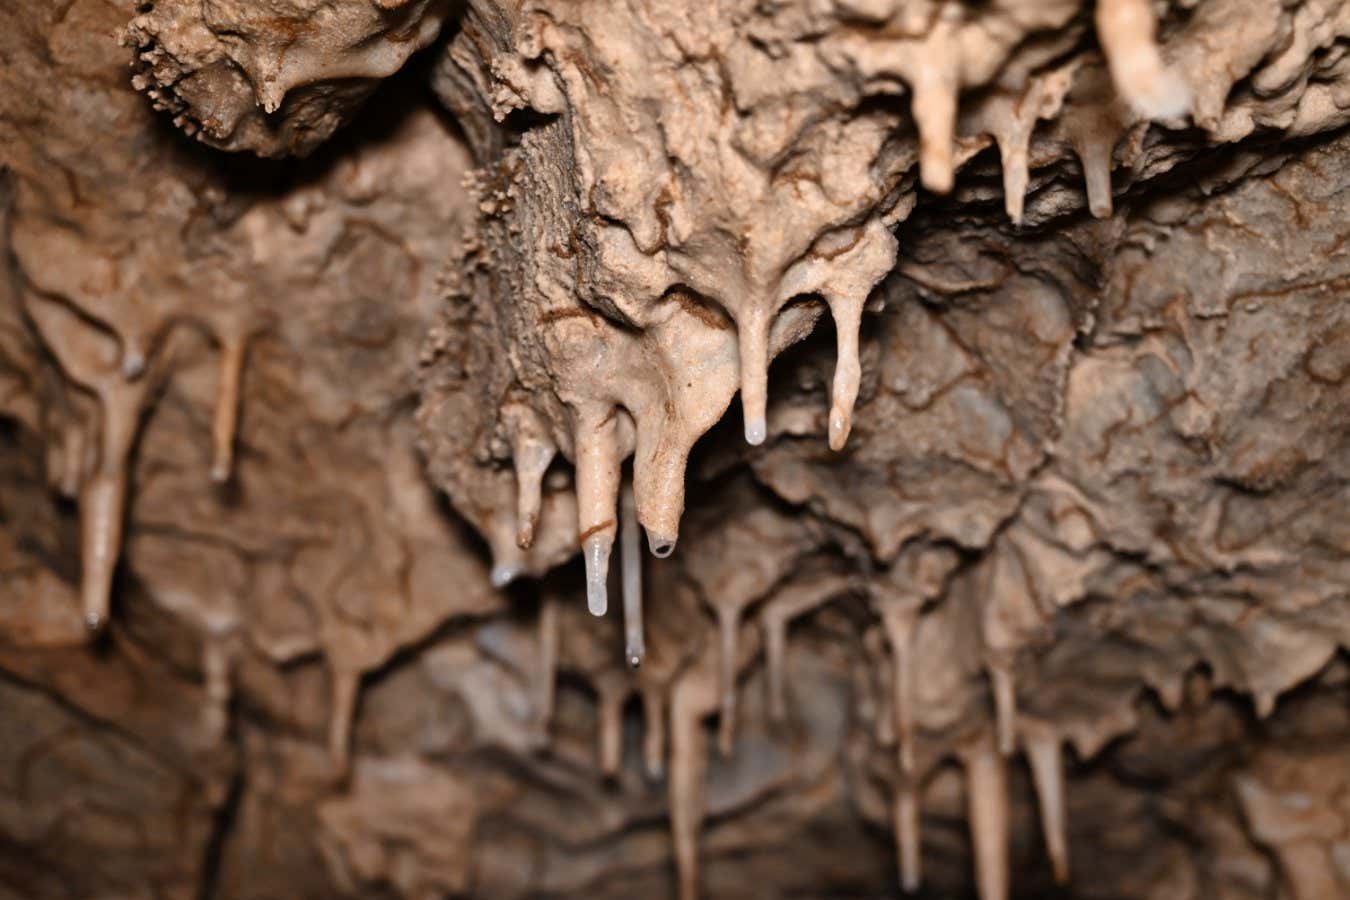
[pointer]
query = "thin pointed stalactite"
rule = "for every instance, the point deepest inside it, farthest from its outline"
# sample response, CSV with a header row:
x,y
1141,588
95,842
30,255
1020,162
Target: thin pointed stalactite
x,y
613,692
102,500
597,483
775,653
630,553
753,346
345,687
654,732
689,703
847,314
233,351
74,443
1013,147
1005,706
1127,32
907,834
987,810
532,457
1045,756
899,620
728,630
546,673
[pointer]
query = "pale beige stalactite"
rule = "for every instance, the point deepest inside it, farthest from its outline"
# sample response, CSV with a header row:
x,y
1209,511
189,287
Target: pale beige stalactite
x,y
613,691
103,497
532,453
546,673
1012,122
74,446
907,833
899,619
935,84
753,346
787,604
630,541
987,809
1094,154
728,630
1127,32
1005,705
875,683
847,313
233,351
597,482
654,731
1045,756
344,688
693,697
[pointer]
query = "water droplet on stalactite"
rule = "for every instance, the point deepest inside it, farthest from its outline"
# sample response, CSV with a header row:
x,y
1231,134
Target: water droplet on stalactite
x,y
1045,756
133,358
226,419
847,313
906,827
597,484
1005,707
987,809
630,559
753,345
546,674
504,573
532,456
344,687
728,628
654,732
1127,33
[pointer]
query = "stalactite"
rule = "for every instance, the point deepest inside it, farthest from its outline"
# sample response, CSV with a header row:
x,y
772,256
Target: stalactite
x,y
899,620
788,603
907,836
935,85
987,802
1127,30
635,646
233,350
693,698
344,688
546,672
1005,706
1044,753
613,690
217,654
597,481
728,630
654,731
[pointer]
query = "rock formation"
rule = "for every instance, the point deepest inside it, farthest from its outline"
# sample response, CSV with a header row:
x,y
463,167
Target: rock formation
x,y
976,371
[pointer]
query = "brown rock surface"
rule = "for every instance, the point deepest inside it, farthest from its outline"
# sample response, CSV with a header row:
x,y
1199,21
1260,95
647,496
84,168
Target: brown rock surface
x,y
1033,566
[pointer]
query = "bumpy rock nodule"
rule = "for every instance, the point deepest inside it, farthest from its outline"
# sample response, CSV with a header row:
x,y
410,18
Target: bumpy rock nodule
x,y
1076,458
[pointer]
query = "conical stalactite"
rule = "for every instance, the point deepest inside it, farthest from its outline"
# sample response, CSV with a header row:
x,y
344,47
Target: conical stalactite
x,y
613,690
1005,706
654,732
987,810
728,632
531,452
788,603
1045,756
847,313
899,619
753,347
233,350
344,691
935,85
546,660
908,844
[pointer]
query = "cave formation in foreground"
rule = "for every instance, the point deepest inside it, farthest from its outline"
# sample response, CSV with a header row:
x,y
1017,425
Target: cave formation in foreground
x,y
675,448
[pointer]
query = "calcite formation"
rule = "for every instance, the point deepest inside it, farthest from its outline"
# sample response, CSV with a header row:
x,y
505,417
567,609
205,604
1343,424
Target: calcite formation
x,y
976,371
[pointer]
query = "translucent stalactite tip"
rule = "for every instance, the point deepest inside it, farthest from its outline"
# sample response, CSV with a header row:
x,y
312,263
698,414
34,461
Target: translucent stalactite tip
x,y
660,547
595,552
755,431
504,573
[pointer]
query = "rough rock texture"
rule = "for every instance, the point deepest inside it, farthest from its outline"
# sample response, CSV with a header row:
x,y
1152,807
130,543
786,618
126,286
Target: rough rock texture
x,y
1025,571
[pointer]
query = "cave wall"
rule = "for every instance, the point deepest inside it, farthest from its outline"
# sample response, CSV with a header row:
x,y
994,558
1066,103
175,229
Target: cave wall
x,y
328,331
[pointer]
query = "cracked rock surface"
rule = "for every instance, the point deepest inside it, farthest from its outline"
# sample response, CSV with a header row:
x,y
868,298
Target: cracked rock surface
x,y
544,448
